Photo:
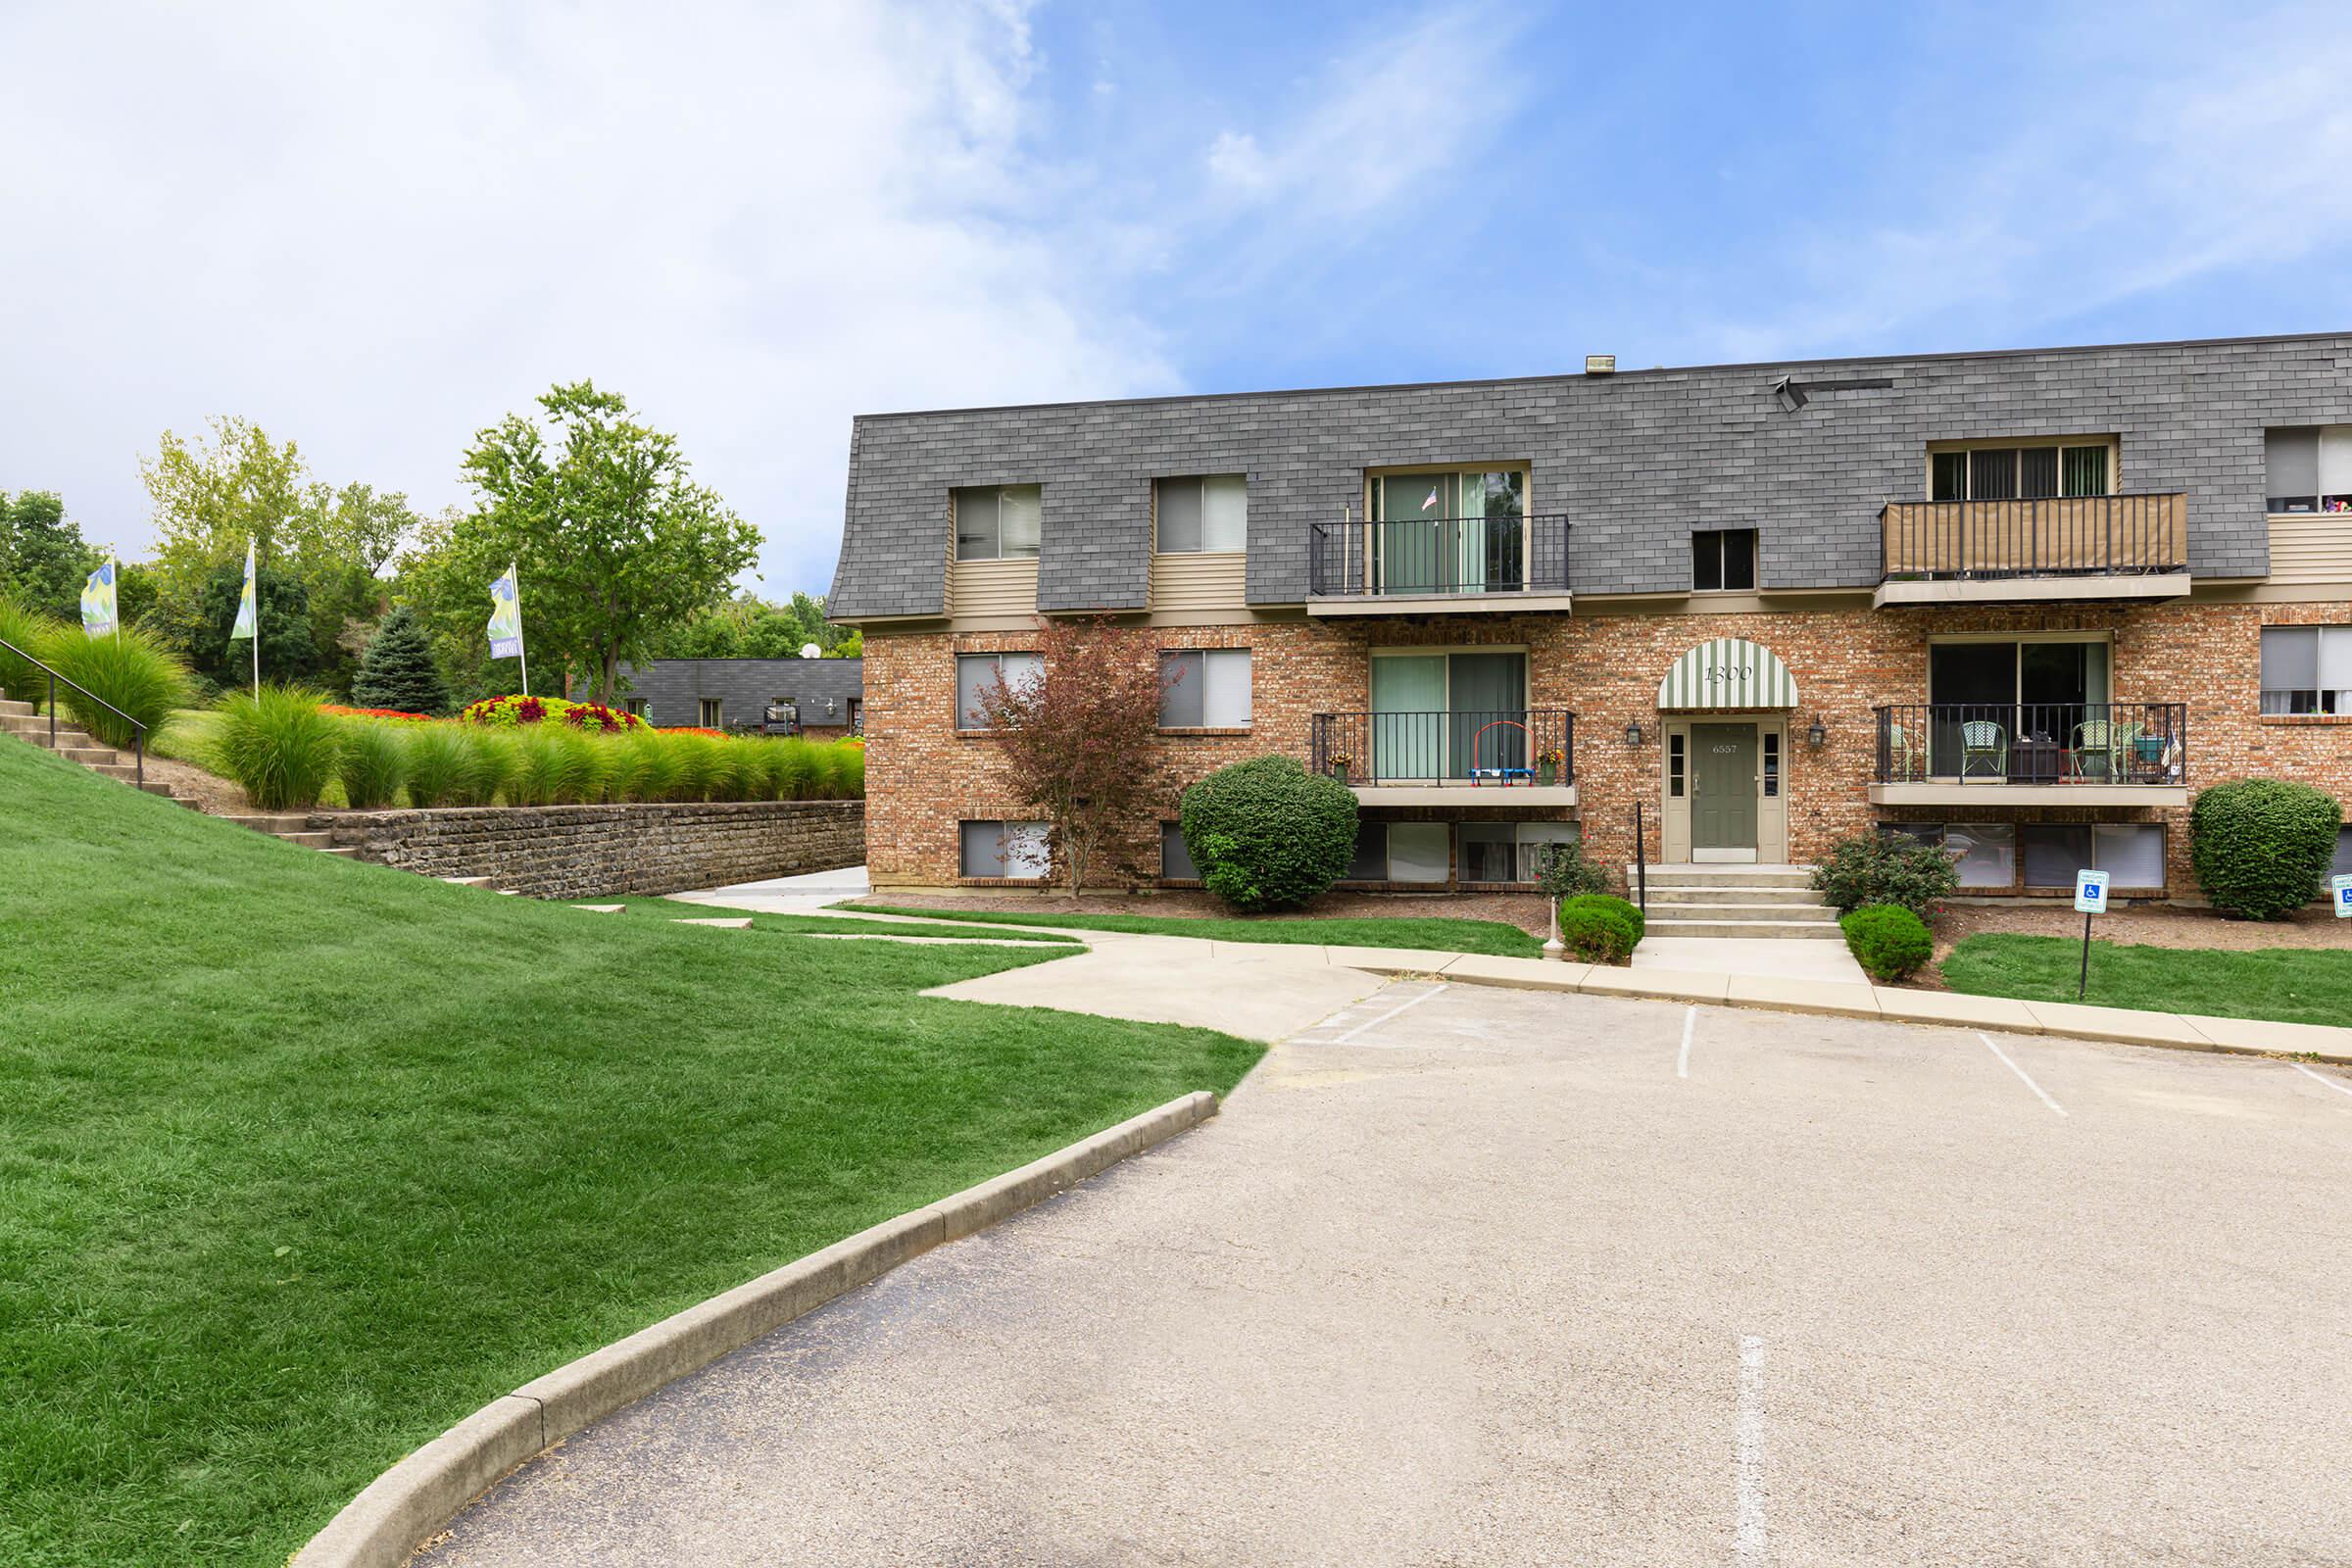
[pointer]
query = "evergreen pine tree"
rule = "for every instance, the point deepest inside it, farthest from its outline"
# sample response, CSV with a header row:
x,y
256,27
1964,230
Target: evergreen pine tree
x,y
397,671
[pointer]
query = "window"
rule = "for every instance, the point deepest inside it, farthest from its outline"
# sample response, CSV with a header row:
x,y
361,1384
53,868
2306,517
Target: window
x,y
1399,851
709,713
1005,849
635,705
2307,669
2017,472
998,522
1510,851
1722,559
2308,469
1209,513
1674,766
1204,687
2130,854
1772,764
2344,852
857,708
1986,853
1175,859
977,673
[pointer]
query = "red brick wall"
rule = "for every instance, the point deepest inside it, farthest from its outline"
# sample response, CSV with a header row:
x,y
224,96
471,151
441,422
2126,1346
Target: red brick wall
x,y
922,777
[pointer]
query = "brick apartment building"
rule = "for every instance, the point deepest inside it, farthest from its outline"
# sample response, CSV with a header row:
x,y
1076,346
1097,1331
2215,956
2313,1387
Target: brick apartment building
x,y
2025,602
827,695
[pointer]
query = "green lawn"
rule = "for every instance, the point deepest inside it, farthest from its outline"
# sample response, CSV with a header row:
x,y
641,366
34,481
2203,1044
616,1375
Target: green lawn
x,y
831,926
302,1159
1434,932
2292,985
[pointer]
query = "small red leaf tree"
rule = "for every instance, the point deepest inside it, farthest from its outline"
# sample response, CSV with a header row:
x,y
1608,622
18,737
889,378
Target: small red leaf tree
x,y
1076,735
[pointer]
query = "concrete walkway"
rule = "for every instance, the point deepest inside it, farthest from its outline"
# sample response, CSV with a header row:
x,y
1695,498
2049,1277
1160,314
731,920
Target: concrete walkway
x,y
1751,956
807,893
1475,1276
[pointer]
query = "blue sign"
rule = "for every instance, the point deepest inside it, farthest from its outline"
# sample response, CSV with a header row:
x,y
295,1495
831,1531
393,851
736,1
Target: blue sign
x,y
2343,896
2091,892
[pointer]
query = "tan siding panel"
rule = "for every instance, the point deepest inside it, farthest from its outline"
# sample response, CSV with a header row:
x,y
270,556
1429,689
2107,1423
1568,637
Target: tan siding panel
x,y
2313,549
992,588
1190,584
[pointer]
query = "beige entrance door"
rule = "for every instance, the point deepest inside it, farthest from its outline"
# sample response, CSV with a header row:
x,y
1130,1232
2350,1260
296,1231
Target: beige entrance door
x,y
1726,788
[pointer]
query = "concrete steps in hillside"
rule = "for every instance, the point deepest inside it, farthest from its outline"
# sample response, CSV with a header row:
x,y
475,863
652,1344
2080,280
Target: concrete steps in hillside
x,y
75,745
1776,901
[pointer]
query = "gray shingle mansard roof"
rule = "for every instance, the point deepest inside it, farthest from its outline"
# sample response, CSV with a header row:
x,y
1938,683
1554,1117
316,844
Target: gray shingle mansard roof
x,y
1636,460
673,688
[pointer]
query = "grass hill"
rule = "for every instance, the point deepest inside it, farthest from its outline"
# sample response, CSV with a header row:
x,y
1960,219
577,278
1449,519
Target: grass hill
x,y
302,1159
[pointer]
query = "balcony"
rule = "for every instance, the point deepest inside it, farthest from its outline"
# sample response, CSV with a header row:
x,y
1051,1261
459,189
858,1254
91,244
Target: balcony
x,y
2025,551
1521,757
2031,754
1436,565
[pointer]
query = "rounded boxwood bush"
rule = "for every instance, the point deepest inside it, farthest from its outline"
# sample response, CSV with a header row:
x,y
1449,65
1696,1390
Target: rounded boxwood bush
x,y
1600,929
2260,847
1888,941
1267,834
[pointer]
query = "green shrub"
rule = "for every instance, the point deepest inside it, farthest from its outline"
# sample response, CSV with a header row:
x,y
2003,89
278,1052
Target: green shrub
x,y
1882,868
398,671
1267,834
36,634
645,767
2260,847
372,763
1600,929
1564,872
794,771
278,747
132,672
1888,941
694,758
844,767
492,767
439,762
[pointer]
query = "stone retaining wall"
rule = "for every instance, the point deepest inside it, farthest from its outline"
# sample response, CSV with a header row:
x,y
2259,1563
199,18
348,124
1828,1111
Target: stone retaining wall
x,y
567,852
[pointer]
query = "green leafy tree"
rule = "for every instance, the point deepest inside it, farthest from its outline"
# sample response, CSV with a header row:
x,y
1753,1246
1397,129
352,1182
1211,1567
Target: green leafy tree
x,y
398,669
284,613
212,495
43,558
618,546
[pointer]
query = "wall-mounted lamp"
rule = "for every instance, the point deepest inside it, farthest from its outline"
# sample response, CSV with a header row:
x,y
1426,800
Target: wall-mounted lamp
x,y
1816,737
1633,732
829,709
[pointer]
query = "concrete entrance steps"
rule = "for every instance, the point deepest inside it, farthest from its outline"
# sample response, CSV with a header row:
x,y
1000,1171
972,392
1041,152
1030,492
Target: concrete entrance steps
x,y
74,745
1737,901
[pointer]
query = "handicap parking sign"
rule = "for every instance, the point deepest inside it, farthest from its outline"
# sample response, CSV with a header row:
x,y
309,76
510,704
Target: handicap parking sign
x,y
2091,892
2343,896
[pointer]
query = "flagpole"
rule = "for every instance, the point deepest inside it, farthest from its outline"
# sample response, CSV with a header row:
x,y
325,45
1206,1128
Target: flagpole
x,y
115,587
522,654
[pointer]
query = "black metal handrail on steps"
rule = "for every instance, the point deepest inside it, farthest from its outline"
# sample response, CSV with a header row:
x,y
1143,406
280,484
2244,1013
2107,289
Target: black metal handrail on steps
x,y
138,737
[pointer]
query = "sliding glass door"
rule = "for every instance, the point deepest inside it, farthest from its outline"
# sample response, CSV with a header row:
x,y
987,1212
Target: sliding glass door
x,y
1450,531
1440,715
2015,710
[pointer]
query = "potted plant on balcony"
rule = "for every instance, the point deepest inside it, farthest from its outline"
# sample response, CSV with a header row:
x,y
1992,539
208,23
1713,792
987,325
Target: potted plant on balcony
x,y
1336,766
1549,765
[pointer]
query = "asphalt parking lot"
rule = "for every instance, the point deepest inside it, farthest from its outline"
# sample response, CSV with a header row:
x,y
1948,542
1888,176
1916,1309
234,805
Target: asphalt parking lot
x,y
1469,1276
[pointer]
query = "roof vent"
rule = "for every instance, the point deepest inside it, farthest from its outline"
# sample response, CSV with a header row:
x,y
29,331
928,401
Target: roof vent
x,y
1600,364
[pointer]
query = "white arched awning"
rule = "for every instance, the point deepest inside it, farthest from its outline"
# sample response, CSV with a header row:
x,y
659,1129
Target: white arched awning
x,y
1727,672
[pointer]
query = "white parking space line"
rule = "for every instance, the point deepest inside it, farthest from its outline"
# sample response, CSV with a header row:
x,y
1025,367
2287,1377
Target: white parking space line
x,y
2321,1078
1681,1063
2020,1073
1371,1023
1747,1462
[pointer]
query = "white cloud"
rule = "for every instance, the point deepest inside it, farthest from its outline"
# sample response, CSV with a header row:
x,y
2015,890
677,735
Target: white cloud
x,y
377,231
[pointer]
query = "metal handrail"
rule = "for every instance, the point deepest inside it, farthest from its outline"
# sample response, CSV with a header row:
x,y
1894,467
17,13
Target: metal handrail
x,y
2033,743
1372,558
138,739
1444,747
2140,533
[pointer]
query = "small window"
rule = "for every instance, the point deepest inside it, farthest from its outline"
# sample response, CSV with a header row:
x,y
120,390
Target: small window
x,y
1005,849
977,673
1207,512
2054,852
1371,863
1175,859
1537,840
2131,854
1950,476
2307,669
857,708
1722,559
1204,687
2309,470
1984,852
999,522
709,712
1674,766
2344,852
634,704
2018,473
1772,764
1419,852
1930,833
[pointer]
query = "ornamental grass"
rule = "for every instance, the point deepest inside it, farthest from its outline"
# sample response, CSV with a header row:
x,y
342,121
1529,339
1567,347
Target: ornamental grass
x,y
277,745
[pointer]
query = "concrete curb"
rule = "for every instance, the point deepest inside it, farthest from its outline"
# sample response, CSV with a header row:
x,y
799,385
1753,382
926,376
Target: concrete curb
x,y
2124,1026
384,1523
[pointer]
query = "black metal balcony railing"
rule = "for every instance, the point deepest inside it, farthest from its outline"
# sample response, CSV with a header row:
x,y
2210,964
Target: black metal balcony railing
x,y
1437,556
2034,743
1497,748
2048,536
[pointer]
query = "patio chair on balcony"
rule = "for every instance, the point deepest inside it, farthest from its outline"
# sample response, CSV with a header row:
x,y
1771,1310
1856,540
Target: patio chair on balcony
x,y
1903,755
1982,738
2096,748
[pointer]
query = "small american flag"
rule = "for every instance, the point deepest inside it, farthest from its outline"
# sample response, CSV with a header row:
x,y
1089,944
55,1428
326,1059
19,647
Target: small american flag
x,y
1433,499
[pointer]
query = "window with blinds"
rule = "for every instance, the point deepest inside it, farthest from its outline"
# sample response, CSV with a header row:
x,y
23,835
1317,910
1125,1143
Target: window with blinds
x,y
1203,514
2306,669
2021,471
2308,468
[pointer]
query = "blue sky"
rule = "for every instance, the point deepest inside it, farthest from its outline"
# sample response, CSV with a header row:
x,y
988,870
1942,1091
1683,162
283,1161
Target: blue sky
x,y
376,233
